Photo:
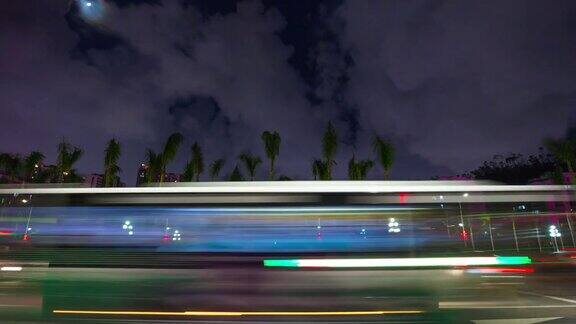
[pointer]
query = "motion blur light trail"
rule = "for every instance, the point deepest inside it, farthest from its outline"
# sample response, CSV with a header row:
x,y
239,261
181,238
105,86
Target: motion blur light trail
x,y
500,270
399,262
287,252
203,313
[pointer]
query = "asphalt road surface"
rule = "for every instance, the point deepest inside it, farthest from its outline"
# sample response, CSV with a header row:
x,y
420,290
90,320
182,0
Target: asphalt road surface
x,y
37,293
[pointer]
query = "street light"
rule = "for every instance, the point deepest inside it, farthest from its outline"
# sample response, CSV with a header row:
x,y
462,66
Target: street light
x,y
176,235
555,234
393,226
127,226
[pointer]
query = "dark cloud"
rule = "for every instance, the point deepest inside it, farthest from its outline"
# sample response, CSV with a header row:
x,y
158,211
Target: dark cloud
x,y
451,83
462,80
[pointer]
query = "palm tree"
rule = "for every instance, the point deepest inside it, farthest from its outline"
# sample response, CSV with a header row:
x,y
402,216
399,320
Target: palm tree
x,y
272,147
316,166
358,170
168,154
352,169
11,165
32,164
385,154
251,162
195,166
4,162
153,164
564,151
320,170
215,168
236,175
111,168
67,156
329,147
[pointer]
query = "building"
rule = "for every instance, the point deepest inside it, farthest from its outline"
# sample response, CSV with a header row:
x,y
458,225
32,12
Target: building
x,y
96,180
172,177
143,171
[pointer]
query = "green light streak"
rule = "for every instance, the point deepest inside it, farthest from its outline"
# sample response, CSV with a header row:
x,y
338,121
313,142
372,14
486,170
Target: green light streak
x,y
513,260
281,263
398,262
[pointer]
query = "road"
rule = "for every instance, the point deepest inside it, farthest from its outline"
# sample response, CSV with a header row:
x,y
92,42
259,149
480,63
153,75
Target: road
x,y
256,294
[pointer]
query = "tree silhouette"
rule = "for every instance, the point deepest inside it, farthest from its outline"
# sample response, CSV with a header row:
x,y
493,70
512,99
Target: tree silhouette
x,y
111,168
272,147
320,170
67,157
358,170
195,166
169,153
384,151
153,164
215,168
329,148
251,162
564,151
236,175
515,169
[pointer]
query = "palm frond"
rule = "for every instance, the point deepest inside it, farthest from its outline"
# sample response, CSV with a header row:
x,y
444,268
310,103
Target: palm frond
x,y
272,142
384,151
236,175
215,168
171,147
329,143
251,162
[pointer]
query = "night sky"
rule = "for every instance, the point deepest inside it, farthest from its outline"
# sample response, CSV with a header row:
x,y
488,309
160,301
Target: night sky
x,y
451,83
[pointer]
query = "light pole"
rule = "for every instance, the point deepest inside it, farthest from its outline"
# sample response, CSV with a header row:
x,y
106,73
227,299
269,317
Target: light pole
x,y
26,236
538,238
570,228
490,231
554,234
513,217
514,231
462,225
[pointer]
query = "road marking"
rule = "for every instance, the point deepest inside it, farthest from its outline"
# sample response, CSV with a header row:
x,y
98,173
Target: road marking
x,y
566,300
516,320
214,313
140,320
493,305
